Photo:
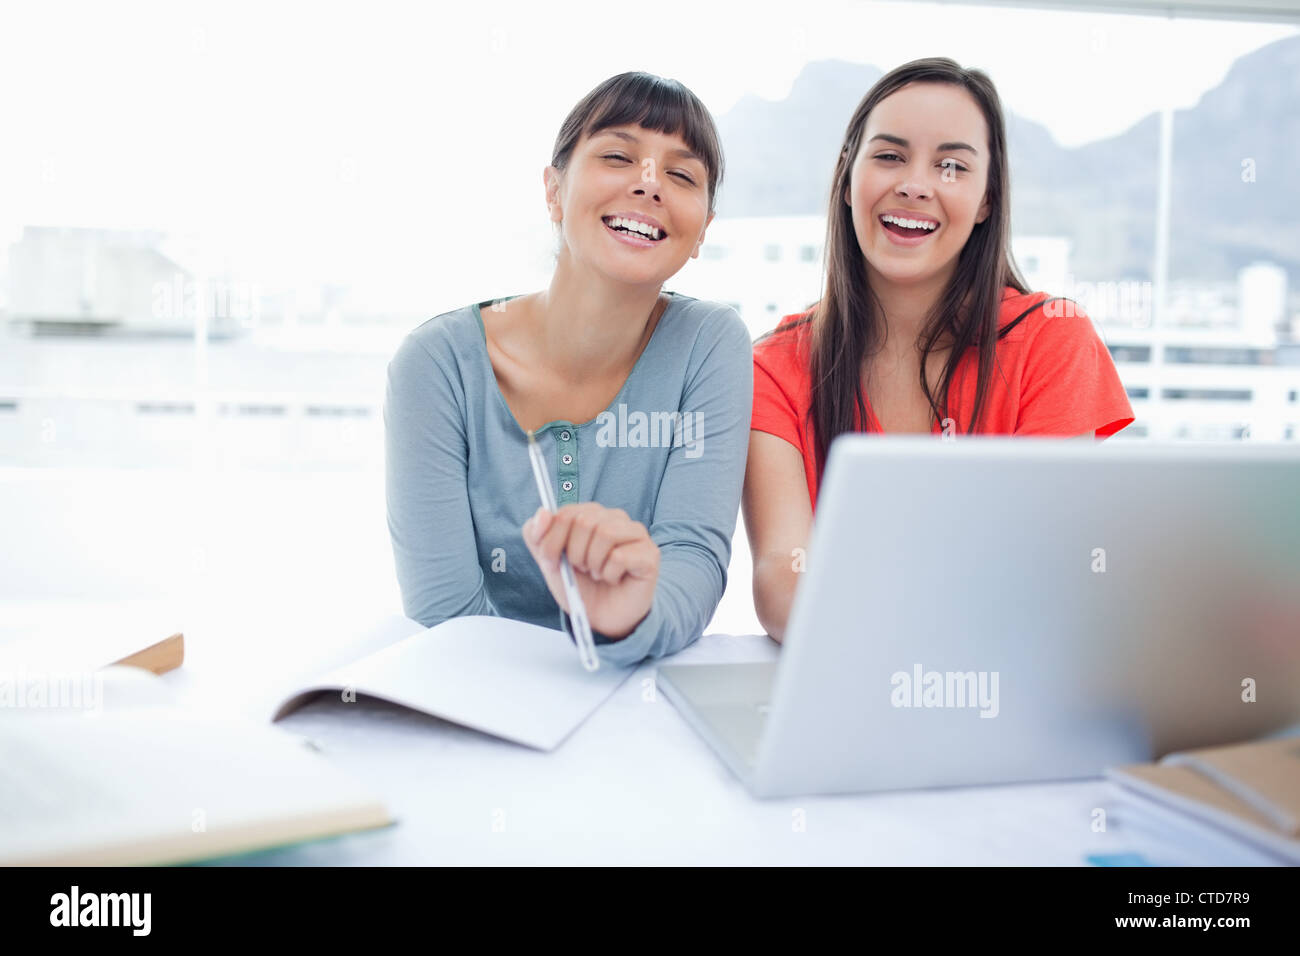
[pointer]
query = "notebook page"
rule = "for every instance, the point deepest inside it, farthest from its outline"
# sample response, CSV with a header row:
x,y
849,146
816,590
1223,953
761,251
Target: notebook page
x,y
504,677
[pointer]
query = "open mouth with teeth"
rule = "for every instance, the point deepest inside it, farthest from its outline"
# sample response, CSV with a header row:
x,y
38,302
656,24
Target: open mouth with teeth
x,y
908,228
634,228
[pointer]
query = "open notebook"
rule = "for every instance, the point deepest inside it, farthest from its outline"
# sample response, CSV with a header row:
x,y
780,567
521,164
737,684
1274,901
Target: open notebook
x,y
118,775
514,680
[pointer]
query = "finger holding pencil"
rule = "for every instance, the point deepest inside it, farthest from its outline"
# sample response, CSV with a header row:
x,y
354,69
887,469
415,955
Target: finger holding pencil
x,y
612,560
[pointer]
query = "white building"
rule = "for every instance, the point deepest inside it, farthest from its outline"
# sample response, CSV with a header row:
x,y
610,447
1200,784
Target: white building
x,y
766,267
109,281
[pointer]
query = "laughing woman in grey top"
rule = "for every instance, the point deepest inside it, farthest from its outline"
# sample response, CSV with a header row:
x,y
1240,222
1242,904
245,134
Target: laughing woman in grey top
x,y
640,399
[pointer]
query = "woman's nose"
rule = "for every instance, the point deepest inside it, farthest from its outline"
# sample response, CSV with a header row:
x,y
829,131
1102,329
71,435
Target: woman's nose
x,y
648,183
647,189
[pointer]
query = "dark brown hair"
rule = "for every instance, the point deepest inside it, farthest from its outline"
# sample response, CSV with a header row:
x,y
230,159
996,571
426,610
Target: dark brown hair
x,y
651,102
847,321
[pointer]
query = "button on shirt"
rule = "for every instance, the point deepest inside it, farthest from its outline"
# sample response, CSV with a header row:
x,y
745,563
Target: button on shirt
x,y
669,450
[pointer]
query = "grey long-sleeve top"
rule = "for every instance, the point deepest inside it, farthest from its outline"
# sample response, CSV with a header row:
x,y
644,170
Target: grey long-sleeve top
x,y
669,450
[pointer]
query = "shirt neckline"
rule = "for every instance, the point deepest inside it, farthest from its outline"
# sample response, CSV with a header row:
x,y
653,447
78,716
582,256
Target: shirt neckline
x,y
878,429
674,299
936,428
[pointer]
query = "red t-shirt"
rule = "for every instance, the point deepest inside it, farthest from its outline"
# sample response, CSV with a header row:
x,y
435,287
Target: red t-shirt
x,y
1054,376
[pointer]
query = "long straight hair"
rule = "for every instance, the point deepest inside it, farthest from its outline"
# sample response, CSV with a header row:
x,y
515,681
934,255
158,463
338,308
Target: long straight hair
x,y
847,323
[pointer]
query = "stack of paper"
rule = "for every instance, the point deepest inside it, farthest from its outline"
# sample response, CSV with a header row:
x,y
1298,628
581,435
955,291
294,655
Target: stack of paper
x,y
1245,794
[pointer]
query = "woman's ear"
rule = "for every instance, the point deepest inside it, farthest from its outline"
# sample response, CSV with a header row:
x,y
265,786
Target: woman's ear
x,y
983,211
699,243
551,179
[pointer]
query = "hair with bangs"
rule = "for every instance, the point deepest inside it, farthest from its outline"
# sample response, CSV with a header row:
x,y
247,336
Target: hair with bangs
x,y
848,323
653,103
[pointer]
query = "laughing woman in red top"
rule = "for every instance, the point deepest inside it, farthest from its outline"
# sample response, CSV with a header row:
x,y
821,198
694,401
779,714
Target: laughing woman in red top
x,y
925,324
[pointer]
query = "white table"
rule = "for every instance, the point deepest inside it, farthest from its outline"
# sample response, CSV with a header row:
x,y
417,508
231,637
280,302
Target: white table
x,y
271,575
635,785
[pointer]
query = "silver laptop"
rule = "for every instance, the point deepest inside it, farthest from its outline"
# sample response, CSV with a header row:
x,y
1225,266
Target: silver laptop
x,y
993,610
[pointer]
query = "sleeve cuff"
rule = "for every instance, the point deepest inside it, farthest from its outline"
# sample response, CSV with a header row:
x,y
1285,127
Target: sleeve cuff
x,y
623,651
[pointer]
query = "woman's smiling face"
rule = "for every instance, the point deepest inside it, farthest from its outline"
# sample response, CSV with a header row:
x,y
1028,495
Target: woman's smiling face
x,y
923,157
631,174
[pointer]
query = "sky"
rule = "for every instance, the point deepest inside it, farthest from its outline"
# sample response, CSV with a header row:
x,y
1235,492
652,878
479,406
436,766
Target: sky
x,y
401,146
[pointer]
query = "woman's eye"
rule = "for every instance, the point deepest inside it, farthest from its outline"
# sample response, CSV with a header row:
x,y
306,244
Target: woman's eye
x,y
950,163
620,156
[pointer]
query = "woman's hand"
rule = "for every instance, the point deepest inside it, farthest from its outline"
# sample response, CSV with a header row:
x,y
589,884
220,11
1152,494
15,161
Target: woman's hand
x,y
615,562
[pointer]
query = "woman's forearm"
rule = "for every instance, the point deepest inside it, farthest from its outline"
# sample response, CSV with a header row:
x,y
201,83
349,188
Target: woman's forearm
x,y
775,583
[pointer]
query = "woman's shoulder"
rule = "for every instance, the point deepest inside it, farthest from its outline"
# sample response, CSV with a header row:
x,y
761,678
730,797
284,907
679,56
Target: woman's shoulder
x,y
437,352
708,316
448,330
450,340
1026,316
786,343
703,333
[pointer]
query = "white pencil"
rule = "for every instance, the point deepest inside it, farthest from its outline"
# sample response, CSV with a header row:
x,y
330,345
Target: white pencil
x,y
577,610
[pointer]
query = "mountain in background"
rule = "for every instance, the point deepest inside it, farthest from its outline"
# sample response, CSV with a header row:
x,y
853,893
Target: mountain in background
x,y
780,156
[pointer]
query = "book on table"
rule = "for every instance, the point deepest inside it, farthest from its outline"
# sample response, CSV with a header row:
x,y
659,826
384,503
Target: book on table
x,y
108,766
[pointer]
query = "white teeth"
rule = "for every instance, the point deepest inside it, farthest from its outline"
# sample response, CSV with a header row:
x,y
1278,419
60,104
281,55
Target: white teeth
x,y
911,223
636,226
